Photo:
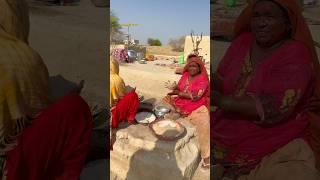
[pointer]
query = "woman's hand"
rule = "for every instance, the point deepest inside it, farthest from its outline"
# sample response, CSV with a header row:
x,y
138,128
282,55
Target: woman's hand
x,y
174,92
243,106
171,86
180,94
313,104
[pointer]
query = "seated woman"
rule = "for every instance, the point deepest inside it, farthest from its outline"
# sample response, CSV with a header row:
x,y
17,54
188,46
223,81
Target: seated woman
x,y
40,138
265,93
124,105
189,98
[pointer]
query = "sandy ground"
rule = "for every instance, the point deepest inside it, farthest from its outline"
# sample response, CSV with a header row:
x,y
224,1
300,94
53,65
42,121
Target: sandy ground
x,y
149,79
72,42
163,50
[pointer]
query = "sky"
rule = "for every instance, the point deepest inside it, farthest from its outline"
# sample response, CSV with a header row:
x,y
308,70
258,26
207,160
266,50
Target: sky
x,y
163,19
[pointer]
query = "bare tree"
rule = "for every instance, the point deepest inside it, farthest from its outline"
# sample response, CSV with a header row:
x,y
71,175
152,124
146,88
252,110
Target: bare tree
x,y
196,41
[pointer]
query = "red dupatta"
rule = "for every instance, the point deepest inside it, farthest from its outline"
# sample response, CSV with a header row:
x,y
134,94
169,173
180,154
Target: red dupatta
x,y
197,87
300,32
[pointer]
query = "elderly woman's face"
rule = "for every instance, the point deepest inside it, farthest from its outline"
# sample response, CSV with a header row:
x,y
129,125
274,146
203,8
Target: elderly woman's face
x,y
193,69
268,23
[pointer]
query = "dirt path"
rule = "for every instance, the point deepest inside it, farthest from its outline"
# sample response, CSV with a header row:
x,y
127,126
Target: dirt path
x,y
72,42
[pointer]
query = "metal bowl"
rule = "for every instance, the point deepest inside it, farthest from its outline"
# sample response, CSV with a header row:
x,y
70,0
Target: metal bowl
x,y
161,110
159,114
143,62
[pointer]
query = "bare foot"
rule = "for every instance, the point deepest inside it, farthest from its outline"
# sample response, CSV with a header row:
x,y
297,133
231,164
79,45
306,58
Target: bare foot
x,y
205,163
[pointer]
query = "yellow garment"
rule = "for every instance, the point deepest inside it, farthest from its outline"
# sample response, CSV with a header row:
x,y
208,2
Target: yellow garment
x,y
114,66
14,18
24,78
117,86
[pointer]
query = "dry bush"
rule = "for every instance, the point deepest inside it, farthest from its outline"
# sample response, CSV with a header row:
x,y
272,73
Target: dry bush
x,y
177,44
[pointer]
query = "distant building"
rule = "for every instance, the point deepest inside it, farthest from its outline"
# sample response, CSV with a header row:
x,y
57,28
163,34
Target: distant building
x,y
132,42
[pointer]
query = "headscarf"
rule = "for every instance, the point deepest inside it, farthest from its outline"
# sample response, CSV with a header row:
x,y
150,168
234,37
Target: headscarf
x,y
194,58
203,72
117,86
300,29
14,18
114,66
300,32
24,78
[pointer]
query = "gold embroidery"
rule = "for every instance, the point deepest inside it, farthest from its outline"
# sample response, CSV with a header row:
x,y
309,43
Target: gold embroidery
x,y
290,99
186,86
245,77
247,67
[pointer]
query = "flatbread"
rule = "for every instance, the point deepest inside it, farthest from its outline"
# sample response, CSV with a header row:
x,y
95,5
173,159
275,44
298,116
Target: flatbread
x,y
167,128
145,117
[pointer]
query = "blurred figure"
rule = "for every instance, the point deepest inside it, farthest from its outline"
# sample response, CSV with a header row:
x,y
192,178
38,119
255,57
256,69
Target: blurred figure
x,y
267,93
40,137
